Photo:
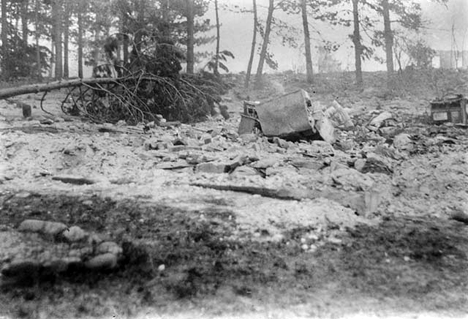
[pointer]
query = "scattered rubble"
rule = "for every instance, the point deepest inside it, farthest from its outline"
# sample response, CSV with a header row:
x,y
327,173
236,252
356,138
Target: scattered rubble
x,y
366,163
45,247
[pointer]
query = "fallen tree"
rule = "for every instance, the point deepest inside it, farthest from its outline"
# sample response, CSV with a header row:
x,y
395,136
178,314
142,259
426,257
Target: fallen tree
x,y
140,97
50,86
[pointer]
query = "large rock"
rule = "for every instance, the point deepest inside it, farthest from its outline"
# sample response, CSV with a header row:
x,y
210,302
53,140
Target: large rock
x,y
212,168
74,234
109,247
40,226
245,171
103,261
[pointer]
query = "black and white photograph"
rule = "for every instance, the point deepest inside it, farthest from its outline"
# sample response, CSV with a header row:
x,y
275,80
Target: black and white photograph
x,y
234,159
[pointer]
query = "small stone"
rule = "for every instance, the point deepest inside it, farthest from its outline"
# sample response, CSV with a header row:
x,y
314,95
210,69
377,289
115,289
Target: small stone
x,y
406,258
277,238
206,138
403,142
248,138
109,247
23,195
281,143
334,240
161,268
72,179
213,168
88,202
44,257
80,253
313,248
359,164
103,261
305,247
46,121
40,226
74,234
151,144
313,237
95,239
31,225
245,171
53,228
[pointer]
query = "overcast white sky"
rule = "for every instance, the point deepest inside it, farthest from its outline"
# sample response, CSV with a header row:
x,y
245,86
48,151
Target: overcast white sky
x,y
236,34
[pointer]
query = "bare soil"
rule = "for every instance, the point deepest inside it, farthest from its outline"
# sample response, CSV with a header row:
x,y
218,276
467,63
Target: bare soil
x,y
191,252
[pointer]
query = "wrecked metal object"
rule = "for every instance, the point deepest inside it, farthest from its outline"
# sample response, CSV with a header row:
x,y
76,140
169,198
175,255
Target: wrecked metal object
x,y
449,109
292,117
285,115
249,119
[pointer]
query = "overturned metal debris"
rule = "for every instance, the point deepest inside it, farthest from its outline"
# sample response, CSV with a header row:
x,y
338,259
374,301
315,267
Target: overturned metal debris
x,y
291,116
449,109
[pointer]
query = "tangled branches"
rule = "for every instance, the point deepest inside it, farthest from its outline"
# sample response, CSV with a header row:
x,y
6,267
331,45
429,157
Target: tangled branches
x,y
140,97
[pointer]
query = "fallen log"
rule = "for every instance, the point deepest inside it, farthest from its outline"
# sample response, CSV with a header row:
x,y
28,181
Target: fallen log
x,y
354,200
56,85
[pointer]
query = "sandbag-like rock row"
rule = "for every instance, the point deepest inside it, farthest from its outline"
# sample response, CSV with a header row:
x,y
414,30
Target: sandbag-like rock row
x,y
52,247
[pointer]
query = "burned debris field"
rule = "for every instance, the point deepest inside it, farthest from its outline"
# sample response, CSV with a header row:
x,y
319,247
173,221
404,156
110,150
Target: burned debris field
x,y
260,159
206,220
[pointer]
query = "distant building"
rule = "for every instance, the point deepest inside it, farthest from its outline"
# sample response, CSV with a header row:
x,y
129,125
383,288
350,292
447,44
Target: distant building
x,y
448,59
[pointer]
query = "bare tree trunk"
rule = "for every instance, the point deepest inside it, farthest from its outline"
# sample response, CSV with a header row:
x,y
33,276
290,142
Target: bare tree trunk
x,y
38,52
80,43
66,39
52,58
388,34
5,70
57,15
55,85
308,54
254,44
215,69
190,37
357,44
266,39
124,31
24,20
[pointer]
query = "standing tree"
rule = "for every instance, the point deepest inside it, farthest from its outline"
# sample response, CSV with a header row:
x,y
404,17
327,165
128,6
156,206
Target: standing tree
x,y
216,62
356,38
254,45
66,37
80,12
407,14
266,40
388,36
190,14
308,54
57,10
5,72
24,20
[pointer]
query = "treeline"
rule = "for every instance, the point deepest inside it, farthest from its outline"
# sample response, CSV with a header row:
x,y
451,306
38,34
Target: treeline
x,y
166,32
392,25
140,29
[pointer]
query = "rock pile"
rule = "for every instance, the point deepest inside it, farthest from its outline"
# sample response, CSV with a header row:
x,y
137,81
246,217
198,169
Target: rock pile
x,y
40,247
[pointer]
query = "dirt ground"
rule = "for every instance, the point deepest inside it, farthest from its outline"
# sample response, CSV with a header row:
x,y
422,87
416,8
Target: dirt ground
x,y
386,241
